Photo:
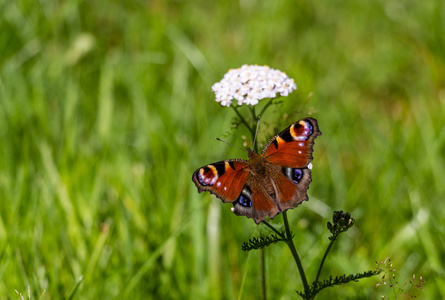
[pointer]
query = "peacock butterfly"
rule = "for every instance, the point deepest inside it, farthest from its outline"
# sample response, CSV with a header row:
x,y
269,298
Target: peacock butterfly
x,y
268,183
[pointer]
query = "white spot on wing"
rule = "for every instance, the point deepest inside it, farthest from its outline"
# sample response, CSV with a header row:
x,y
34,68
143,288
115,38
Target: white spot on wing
x,y
309,166
306,131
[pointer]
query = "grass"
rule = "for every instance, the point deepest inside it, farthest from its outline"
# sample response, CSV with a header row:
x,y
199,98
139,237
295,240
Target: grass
x,y
106,110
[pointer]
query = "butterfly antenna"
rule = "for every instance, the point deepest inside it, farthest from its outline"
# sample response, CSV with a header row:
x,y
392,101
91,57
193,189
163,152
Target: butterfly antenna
x,y
256,132
231,144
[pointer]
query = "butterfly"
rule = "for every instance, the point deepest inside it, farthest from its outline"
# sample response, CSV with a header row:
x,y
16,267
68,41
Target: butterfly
x,y
268,183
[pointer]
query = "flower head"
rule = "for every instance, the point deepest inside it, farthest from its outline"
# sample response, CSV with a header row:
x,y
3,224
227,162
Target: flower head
x,y
251,83
341,222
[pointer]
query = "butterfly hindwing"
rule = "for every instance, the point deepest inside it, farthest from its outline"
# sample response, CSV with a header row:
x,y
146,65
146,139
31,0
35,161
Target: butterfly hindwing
x,y
254,201
293,184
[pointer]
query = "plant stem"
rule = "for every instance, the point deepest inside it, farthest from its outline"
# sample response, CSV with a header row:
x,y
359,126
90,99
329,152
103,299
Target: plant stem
x,y
273,229
291,245
253,132
267,105
324,258
263,274
242,120
254,116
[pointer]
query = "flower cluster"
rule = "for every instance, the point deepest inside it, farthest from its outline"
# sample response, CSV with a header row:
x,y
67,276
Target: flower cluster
x,y
251,83
407,290
341,222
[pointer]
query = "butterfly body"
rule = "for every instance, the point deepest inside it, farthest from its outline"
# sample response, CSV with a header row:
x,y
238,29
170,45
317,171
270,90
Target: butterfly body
x,y
268,183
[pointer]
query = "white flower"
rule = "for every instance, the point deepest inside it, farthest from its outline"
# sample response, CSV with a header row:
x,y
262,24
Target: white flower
x,y
249,84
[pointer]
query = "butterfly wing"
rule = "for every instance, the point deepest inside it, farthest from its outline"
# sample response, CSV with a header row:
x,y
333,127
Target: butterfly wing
x,y
268,183
291,150
293,146
232,181
225,179
260,204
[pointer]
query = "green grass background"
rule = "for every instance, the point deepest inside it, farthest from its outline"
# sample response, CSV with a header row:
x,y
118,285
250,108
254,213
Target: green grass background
x,y
106,109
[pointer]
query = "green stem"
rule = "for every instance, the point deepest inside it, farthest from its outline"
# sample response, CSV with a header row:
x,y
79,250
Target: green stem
x,y
324,258
252,111
262,251
273,229
242,119
291,245
263,273
262,264
266,106
253,132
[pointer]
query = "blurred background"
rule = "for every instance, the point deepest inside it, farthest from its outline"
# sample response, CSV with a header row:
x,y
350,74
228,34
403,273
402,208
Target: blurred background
x,y
106,110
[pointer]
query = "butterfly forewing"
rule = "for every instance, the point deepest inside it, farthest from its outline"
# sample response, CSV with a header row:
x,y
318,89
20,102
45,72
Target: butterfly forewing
x,y
293,146
225,179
